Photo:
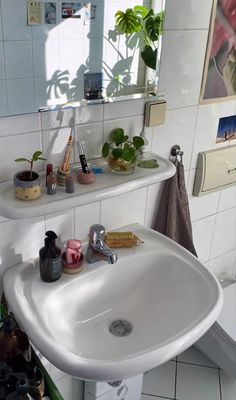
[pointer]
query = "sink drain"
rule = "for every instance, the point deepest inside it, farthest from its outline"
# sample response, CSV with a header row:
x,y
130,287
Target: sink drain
x,y
120,327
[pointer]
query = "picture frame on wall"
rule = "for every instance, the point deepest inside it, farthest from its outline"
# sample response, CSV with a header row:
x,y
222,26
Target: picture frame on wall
x,y
219,75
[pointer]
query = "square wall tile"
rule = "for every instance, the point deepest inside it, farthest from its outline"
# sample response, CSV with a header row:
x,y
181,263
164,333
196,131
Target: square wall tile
x,y
181,67
17,124
20,94
198,14
63,225
18,56
202,237
224,238
54,146
12,147
85,216
207,126
195,356
160,381
2,62
197,383
20,241
14,16
201,206
45,58
57,118
224,266
179,128
91,137
69,64
89,113
124,209
227,198
154,193
123,109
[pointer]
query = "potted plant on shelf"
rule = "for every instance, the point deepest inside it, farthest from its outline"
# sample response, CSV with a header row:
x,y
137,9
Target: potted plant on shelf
x,y
122,152
27,184
147,25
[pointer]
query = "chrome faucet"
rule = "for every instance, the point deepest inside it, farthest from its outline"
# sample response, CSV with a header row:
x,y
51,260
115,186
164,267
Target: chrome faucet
x,y
97,248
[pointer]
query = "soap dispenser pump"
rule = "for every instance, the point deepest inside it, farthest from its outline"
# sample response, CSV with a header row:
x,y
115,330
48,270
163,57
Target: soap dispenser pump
x,y
50,263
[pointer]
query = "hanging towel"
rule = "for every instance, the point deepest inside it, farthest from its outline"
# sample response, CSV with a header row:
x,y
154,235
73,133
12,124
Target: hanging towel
x,y
173,217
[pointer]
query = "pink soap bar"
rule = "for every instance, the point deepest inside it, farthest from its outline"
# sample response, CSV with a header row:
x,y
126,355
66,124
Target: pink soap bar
x,y
73,251
86,178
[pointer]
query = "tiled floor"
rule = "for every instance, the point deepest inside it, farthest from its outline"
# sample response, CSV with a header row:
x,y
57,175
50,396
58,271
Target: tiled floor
x,y
191,376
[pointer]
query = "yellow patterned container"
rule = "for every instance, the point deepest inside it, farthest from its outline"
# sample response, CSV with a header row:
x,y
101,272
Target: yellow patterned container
x,y
26,189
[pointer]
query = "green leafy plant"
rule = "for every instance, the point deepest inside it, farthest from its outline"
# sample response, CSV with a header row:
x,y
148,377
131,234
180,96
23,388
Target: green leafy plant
x,y
148,25
35,157
121,147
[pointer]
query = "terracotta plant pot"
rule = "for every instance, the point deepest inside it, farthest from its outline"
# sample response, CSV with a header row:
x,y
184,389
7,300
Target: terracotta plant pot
x,y
27,188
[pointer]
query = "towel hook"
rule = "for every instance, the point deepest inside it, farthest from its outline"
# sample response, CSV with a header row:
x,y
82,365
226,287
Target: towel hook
x,y
175,151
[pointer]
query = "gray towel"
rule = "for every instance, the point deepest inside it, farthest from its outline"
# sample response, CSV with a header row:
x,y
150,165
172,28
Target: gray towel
x,y
173,217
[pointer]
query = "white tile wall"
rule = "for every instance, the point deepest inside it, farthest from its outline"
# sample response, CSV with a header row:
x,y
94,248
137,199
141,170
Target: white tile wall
x,y
18,58
183,121
198,16
224,238
161,381
183,65
20,95
11,18
193,383
18,146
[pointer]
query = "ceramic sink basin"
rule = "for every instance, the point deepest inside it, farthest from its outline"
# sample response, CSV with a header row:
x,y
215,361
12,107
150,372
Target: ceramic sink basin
x,y
114,321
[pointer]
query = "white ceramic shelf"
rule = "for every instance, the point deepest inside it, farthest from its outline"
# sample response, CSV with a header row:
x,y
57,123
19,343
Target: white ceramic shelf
x,y
107,185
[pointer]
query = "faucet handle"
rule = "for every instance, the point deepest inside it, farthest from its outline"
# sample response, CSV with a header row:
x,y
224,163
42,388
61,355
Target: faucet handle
x,y
96,233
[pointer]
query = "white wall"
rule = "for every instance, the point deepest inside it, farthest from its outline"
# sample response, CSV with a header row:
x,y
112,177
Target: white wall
x,y
192,126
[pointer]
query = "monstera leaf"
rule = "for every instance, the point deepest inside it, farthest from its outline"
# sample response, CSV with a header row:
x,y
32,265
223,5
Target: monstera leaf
x,y
149,57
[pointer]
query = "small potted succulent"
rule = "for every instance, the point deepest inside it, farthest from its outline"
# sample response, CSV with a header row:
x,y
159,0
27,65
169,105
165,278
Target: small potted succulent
x,y
27,182
122,151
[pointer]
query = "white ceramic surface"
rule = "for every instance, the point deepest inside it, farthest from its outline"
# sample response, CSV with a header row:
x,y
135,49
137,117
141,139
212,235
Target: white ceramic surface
x,y
166,294
106,186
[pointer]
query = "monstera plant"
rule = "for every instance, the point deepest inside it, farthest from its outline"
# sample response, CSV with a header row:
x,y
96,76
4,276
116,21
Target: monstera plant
x,y
147,24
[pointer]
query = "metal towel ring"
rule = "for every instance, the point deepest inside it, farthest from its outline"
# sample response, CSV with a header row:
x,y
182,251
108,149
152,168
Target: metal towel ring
x,y
176,152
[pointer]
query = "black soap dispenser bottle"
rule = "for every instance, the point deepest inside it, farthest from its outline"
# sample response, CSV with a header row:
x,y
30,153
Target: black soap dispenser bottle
x,y
50,264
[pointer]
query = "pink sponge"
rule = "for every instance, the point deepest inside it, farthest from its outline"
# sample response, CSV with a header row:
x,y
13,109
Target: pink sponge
x,y
73,251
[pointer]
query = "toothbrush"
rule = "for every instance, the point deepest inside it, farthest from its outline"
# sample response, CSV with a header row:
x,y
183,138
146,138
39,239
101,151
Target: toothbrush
x,y
66,161
82,157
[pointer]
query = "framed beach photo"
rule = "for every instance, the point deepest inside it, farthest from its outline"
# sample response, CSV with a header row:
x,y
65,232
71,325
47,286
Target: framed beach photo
x,y
219,75
226,129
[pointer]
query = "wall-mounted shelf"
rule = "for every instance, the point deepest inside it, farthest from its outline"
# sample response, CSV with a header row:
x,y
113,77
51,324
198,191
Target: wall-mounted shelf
x,y
106,186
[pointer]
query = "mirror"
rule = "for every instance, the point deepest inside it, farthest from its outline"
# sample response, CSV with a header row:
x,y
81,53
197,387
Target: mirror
x,y
77,46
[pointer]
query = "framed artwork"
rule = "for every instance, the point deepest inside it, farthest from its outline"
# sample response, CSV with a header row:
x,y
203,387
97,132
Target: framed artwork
x,y
219,75
226,129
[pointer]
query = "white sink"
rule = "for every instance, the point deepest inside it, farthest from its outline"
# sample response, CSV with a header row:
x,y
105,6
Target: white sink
x,y
166,297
